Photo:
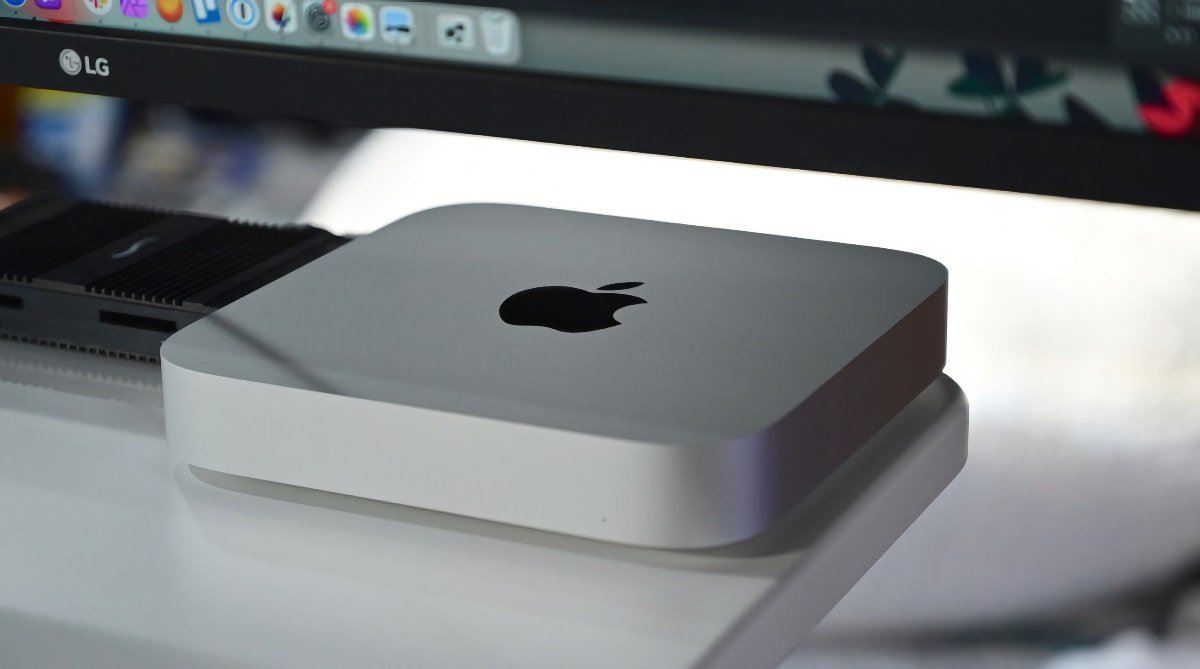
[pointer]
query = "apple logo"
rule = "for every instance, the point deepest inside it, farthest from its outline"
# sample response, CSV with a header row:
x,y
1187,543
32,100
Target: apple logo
x,y
568,309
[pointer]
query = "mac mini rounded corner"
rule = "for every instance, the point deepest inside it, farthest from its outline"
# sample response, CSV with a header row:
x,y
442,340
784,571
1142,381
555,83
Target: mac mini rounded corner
x,y
624,380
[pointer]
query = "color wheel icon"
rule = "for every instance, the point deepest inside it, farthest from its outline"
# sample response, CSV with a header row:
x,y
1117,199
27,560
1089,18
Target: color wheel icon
x,y
357,22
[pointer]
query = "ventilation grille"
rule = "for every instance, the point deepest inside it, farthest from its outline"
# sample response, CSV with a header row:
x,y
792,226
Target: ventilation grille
x,y
65,237
177,274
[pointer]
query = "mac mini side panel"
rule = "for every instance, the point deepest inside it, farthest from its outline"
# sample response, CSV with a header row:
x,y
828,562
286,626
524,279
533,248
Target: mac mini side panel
x,y
632,381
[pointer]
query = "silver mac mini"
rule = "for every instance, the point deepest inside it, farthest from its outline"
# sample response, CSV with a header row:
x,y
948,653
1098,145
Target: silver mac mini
x,y
624,380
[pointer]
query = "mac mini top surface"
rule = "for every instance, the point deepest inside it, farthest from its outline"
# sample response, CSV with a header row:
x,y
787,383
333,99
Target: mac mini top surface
x,y
632,381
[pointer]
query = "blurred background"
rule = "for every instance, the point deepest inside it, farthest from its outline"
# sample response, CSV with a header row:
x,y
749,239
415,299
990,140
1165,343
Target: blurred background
x,y
104,148
1071,540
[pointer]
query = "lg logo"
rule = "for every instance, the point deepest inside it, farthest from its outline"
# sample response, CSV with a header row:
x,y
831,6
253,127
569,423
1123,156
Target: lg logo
x,y
73,64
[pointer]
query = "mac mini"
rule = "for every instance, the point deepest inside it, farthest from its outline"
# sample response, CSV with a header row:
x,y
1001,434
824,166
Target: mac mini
x,y
624,380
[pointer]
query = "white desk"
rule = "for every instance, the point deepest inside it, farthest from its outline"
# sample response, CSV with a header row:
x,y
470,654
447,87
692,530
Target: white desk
x,y
1072,327
110,558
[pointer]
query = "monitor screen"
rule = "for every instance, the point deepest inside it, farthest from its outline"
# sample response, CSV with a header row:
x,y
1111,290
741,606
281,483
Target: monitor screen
x,y
917,89
439,32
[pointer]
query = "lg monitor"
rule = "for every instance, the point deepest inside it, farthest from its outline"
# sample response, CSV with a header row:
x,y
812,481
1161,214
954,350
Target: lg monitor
x,y
1079,98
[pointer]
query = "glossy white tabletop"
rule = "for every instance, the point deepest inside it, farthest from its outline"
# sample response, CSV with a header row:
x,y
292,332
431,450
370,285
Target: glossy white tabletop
x,y
112,558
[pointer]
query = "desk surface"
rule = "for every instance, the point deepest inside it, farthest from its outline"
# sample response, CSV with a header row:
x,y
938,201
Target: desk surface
x,y
113,558
1072,327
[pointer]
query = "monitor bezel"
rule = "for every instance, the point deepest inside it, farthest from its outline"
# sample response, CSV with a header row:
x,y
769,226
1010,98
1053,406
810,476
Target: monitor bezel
x,y
360,90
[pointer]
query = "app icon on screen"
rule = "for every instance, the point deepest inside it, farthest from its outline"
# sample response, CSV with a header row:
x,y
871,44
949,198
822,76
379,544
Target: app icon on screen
x,y
396,25
317,16
281,16
243,13
15,3
499,29
134,9
456,31
48,4
206,11
357,22
99,7
170,10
